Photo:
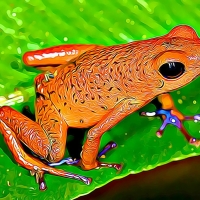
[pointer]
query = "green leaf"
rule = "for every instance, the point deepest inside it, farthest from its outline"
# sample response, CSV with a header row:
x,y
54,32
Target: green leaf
x,y
34,24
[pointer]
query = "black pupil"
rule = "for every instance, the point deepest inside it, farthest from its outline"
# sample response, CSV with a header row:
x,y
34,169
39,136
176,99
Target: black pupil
x,y
172,70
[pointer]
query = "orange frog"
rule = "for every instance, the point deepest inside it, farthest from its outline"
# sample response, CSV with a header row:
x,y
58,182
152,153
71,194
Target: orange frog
x,y
91,86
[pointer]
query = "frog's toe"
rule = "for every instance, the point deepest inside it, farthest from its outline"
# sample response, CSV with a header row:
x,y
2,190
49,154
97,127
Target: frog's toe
x,y
116,166
68,161
194,142
97,164
108,147
171,118
195,117
39,175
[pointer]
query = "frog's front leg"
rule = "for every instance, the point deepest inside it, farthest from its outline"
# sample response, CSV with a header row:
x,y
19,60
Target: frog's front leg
x,y
46,141
170,115
90,149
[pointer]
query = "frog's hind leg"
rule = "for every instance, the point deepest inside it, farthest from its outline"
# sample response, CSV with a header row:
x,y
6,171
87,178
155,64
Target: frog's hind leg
x,y
167,111
70,161
15,127
53,56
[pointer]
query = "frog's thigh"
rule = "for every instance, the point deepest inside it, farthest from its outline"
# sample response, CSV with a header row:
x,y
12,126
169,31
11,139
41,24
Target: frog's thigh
x,y
54,126
56,55
91,146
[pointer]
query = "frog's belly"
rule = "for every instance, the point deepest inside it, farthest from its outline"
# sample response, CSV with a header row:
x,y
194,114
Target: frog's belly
x,y
78,118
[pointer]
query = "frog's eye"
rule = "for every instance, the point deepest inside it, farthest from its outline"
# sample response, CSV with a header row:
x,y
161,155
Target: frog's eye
x,y
172,70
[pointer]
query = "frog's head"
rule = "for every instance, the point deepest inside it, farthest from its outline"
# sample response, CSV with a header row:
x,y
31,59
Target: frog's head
x,y
176,61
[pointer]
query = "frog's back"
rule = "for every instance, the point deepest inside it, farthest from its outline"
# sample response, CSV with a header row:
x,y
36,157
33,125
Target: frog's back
x,y
88,87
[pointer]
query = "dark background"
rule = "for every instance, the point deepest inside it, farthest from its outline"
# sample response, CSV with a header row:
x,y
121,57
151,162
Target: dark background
x,y
176,180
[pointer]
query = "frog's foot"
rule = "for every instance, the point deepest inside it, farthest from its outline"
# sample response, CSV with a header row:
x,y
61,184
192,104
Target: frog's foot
x,y
175,118
97,164
108,147
39,175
